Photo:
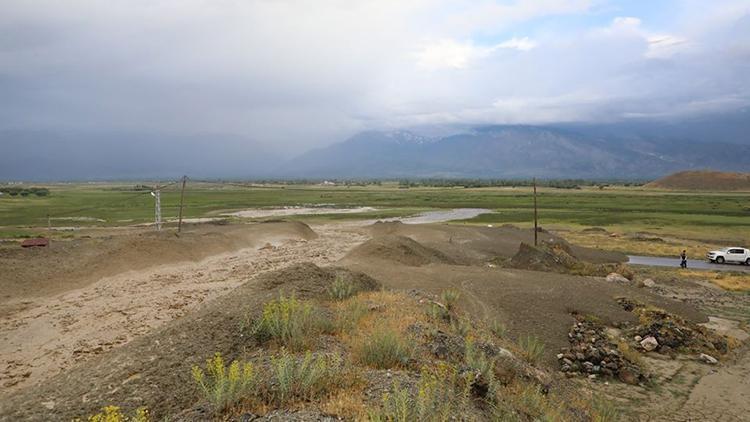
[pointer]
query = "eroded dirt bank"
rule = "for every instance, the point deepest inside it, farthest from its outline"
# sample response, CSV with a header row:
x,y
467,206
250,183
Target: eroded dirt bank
x,y
50,333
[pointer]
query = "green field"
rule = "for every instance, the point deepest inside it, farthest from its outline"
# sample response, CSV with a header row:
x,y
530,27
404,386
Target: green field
x,y
702,217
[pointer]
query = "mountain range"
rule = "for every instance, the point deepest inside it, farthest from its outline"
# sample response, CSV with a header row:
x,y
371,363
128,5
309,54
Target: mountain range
x,y
566,151
515,152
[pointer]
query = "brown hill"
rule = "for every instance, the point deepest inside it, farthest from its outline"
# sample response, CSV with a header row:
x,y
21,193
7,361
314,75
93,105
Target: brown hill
x,y
704,180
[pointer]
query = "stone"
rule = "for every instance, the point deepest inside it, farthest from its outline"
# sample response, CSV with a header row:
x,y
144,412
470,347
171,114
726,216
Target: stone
x,y
649,283
560,356
708,359
637,338
617,278
649,343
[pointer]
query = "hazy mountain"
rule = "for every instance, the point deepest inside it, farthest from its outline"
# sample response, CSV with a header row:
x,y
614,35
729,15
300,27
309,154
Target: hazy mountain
x,y
518,151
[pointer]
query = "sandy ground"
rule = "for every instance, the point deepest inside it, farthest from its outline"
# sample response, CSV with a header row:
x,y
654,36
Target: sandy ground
x,y
52,333
60,329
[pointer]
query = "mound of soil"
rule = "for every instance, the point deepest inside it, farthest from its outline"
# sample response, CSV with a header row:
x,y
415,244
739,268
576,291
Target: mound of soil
x,y
400,249
76,263
154,370
479,244
554,257
703,180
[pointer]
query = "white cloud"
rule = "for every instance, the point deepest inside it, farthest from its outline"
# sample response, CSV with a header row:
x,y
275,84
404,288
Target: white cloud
x,y
302,72
450,54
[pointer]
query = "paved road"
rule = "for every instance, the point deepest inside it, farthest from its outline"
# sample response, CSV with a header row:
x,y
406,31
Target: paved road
x,y
701,264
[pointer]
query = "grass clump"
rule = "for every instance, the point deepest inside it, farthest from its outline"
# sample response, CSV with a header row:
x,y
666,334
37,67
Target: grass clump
x,y
531,347
303,379
114,414
290,322
223,386
341,289
349,316
440,396
385,348
450,298
498,328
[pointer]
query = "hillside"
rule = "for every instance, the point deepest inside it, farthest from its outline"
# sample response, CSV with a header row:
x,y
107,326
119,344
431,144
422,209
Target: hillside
x,y
514,152
704,180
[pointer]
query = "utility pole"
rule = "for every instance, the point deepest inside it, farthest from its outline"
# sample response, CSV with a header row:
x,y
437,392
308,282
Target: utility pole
x,y
49,223
157,195
182,199
536,225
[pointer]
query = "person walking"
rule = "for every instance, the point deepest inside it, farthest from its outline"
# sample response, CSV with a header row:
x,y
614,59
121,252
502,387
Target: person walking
x,y
683,259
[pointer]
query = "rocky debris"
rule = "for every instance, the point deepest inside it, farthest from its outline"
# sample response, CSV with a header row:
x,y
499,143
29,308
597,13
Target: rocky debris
x,y
445,346
617,278
649,283
670,332
708,359
592,353
649,343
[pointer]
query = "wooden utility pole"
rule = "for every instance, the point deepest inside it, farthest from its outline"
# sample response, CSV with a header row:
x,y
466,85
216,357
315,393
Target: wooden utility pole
x,y
182,199
536,226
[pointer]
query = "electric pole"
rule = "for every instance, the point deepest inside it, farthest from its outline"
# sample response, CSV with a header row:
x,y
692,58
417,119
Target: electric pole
x,y
157,196
182,199
536,226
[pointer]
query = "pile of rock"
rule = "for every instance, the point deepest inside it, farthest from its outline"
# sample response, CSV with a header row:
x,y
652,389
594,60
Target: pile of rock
x,y
592,353
666,333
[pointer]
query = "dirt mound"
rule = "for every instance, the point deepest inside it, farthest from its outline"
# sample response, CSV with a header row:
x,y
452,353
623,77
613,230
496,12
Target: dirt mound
x,y
400,249
704,180
154,370
76,263
480,244
548,257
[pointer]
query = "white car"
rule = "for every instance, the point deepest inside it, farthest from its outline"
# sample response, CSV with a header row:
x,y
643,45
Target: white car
x,y
736,255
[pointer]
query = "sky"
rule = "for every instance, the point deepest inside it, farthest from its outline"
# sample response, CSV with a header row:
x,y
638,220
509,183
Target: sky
x,y
296,74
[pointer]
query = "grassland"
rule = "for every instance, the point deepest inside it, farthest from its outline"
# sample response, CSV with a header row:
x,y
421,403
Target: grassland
x,y
688,219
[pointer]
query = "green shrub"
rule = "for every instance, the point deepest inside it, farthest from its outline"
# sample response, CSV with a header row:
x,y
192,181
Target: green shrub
x,y
498,328
304,379
532,348
450,297
347,318
441,395
385,348
341,289
438,312
460,326
292,323
221,385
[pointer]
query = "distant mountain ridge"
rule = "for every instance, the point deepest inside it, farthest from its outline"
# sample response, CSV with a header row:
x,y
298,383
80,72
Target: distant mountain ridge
x,y
513,152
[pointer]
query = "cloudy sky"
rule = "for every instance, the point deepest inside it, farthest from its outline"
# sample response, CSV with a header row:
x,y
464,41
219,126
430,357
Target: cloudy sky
x,y
298,73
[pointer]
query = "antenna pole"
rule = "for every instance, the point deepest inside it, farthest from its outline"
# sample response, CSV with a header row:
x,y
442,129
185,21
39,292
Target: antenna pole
x,y
182,199
536,224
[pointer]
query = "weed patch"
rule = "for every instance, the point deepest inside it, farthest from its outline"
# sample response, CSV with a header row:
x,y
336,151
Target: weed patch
x,y
385,348
221,385
532,348
291,323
